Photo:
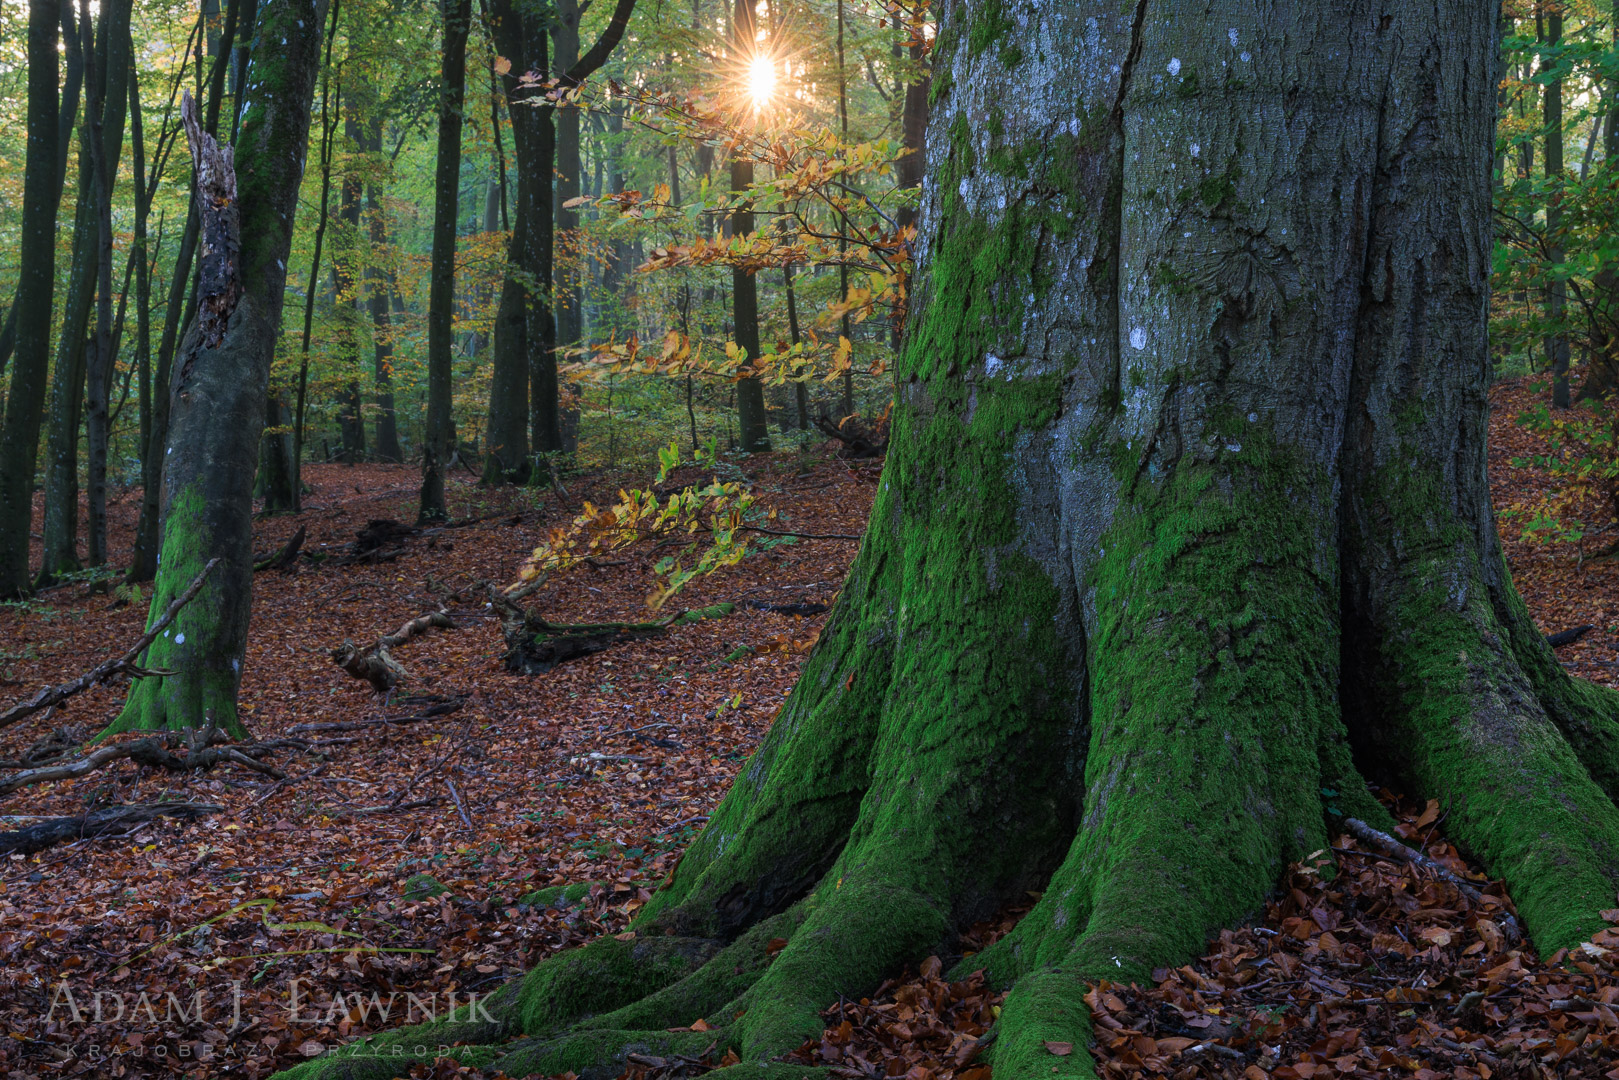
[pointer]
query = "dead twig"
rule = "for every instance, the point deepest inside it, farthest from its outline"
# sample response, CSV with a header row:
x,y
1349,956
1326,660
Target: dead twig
x,y
460,807
1388,845
125,663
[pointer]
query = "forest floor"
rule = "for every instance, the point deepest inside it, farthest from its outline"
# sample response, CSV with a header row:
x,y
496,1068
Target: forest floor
x,y
290,910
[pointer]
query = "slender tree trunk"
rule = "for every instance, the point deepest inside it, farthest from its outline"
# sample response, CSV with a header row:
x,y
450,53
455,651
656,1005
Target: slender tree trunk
x,y
437,446
67,111
1557,351
753,430
1603,376
800,388
220,381
346,307
846,326
508,460
382,331
35,286
110,94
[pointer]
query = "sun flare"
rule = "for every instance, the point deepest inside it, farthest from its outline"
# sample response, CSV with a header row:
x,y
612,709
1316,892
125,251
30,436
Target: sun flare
x,y
761,79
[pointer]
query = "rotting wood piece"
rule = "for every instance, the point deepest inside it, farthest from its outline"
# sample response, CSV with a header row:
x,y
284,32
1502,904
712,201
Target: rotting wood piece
x,y
285,558
52,831
534,645
376,665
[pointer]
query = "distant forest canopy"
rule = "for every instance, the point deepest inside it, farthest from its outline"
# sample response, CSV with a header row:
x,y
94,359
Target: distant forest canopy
x,y
655,124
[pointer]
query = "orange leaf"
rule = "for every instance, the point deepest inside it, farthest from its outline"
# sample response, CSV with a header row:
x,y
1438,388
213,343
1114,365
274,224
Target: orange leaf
x,y
700,1025
1061,1049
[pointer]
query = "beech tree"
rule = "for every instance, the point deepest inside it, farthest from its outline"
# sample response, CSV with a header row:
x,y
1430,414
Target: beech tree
x,y
221,376
41,192
1183,537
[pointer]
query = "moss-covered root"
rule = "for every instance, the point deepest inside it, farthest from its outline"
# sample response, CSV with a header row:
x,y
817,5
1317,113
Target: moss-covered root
x,y
1044,1009
607,974
1586,714
1458,719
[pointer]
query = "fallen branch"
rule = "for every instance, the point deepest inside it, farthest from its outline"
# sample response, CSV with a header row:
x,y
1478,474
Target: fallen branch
x,y
376,665
202,752
1393,848
125,663
56,830
286,558
441,709
535,645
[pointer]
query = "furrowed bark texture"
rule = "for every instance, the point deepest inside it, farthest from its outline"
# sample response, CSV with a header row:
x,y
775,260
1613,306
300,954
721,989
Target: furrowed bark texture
x,y
217,402
1183,537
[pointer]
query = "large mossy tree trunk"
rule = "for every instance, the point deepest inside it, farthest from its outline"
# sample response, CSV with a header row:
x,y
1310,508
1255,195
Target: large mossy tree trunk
x,y
220,382
1183,536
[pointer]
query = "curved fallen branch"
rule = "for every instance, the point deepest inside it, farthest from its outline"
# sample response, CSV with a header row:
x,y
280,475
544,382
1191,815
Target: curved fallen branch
x,y
376,665
125,663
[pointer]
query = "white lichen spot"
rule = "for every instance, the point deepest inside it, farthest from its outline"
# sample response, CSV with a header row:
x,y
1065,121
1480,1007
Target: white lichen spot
x,y
1234,447
1253,418
1138,338
180,638
1196,150
965,187
1245,58
165,631
236,665
1187,236
1232,35
1174,65
992,364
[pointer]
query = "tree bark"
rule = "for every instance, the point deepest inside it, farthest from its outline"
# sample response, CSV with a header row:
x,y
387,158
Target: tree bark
x,y
517,36
221,377
35,288
438,445
380,288
1557,352
346,251
752,427
110,97
1183,536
